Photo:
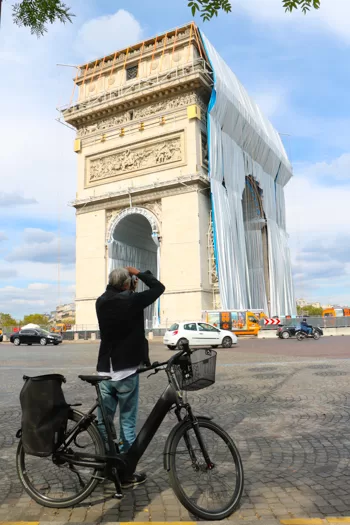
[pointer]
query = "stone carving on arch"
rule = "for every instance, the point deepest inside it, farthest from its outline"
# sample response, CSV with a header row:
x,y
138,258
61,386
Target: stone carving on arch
x,y
114,218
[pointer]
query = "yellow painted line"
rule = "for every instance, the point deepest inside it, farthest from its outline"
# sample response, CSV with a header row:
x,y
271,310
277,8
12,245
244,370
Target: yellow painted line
x,y
19,522
303,521
345,519
316,521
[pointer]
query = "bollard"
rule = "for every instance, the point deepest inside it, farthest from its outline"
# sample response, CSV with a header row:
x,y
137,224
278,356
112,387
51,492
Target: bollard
x,y
150,336
5,338
93,336
76,336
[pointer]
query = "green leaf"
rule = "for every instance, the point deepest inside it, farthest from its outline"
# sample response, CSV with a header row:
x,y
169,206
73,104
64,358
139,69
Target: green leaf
x,y
36,14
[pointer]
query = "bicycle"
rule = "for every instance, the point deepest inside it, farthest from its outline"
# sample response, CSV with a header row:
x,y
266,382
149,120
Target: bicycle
x,y
200,478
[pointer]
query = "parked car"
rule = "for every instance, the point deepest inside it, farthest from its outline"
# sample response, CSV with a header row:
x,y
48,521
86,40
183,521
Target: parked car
x,y
285,332
35,336
197,334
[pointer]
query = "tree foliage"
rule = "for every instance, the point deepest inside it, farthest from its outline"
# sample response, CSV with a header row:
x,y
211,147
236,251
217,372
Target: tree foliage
x,y
7,320
210,8
68,320
37,14
304,5
39,319
310,310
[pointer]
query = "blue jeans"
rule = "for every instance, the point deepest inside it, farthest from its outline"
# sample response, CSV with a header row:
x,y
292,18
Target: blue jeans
x,y
307,330
124,393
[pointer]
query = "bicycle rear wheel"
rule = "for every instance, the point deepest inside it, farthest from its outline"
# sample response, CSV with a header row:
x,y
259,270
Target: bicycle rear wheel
x,y
208,494
61,485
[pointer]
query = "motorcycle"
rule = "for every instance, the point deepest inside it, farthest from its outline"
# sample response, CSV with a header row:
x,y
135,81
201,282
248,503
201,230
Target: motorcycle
x,y
315,334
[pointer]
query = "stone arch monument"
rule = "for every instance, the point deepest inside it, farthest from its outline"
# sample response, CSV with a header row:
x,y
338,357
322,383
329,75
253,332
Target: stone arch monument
x,y
143,116
140,117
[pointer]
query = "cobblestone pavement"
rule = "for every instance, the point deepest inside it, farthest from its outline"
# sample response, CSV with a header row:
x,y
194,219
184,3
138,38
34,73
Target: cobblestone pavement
x,y
289,416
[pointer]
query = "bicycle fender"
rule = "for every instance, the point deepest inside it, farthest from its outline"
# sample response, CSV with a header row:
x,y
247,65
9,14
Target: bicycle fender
x,y
166,453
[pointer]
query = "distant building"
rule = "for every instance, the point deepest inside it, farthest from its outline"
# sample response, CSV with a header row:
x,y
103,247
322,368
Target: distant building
x,y
302,303
63,311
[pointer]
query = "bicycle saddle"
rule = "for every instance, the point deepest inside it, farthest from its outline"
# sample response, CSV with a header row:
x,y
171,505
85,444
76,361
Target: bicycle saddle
x,y
93,380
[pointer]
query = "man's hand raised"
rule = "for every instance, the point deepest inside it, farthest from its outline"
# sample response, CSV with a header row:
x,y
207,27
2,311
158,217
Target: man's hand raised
x,y
132,271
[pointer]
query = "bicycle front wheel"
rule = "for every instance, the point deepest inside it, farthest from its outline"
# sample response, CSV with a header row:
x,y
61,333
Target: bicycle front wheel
x,y
210,494
59,485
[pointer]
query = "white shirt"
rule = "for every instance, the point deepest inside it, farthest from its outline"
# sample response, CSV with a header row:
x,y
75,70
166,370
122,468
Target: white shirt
x,y
121,374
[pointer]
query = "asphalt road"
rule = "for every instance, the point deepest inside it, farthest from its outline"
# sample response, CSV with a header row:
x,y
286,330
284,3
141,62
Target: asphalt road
x,y
285,403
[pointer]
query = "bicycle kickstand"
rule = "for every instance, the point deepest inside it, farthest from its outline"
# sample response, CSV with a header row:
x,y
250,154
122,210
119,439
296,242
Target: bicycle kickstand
x,y
117,484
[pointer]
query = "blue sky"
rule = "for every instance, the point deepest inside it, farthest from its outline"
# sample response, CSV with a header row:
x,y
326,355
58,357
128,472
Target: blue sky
x,y
295,66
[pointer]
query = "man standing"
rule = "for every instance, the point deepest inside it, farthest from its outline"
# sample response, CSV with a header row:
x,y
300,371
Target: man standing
x,y
123,349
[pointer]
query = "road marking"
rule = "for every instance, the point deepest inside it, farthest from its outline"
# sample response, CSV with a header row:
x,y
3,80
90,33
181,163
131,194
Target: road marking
x,y
161,522
19,522
344,519
315,521
303,521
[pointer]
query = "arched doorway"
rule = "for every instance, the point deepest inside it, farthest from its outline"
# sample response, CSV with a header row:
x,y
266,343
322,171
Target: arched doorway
x,y
256,237
134,241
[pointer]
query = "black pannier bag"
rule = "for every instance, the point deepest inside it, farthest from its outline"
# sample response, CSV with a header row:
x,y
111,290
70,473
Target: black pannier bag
x,y
44,414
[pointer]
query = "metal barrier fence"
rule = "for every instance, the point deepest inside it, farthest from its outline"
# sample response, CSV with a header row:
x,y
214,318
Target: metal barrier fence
x,y
323,322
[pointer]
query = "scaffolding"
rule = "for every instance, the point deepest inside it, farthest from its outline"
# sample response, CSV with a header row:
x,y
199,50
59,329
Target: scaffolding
x,y
135,87
171,41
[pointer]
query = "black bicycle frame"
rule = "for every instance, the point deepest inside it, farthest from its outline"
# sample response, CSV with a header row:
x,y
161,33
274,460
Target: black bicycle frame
x,y
130,459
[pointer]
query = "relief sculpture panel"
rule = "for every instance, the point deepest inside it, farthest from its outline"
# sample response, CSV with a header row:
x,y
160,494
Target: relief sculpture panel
x,y
124,162
110,123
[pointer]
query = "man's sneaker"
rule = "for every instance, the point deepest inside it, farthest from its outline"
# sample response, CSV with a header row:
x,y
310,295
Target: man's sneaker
x,y
134,480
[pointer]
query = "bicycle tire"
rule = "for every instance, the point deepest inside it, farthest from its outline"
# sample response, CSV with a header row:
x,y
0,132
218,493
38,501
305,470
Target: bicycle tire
x,y
176,485
47,501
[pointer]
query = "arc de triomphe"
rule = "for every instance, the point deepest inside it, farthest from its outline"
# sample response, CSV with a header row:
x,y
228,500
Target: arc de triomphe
x,y
142,189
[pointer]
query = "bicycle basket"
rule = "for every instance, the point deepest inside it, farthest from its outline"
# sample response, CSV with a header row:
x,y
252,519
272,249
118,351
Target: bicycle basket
x,y
196,371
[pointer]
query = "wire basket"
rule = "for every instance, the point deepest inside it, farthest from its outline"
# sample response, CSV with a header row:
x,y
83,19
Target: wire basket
x,y
197,370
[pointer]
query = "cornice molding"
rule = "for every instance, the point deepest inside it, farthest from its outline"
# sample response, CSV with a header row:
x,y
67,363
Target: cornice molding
x,y
143,194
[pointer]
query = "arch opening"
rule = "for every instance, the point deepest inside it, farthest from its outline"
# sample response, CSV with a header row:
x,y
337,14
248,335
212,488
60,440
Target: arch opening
x,y
135,243
257,249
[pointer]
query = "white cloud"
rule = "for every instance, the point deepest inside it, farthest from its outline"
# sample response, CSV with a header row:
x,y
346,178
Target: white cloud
x,y
13,199
271,99
332,17
317,221
338,169
38,286
106,34
3,236
31,271
312,208
45,252
7,273
37,235
20,301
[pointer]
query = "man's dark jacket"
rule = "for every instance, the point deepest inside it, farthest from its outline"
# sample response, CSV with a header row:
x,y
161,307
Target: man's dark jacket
x,y
122,327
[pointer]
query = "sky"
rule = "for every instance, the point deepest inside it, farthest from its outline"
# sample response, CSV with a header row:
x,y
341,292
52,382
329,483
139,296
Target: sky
x,y
295,66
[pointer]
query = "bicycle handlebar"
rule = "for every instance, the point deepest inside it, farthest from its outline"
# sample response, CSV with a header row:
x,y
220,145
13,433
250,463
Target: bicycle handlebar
x,y
169,363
